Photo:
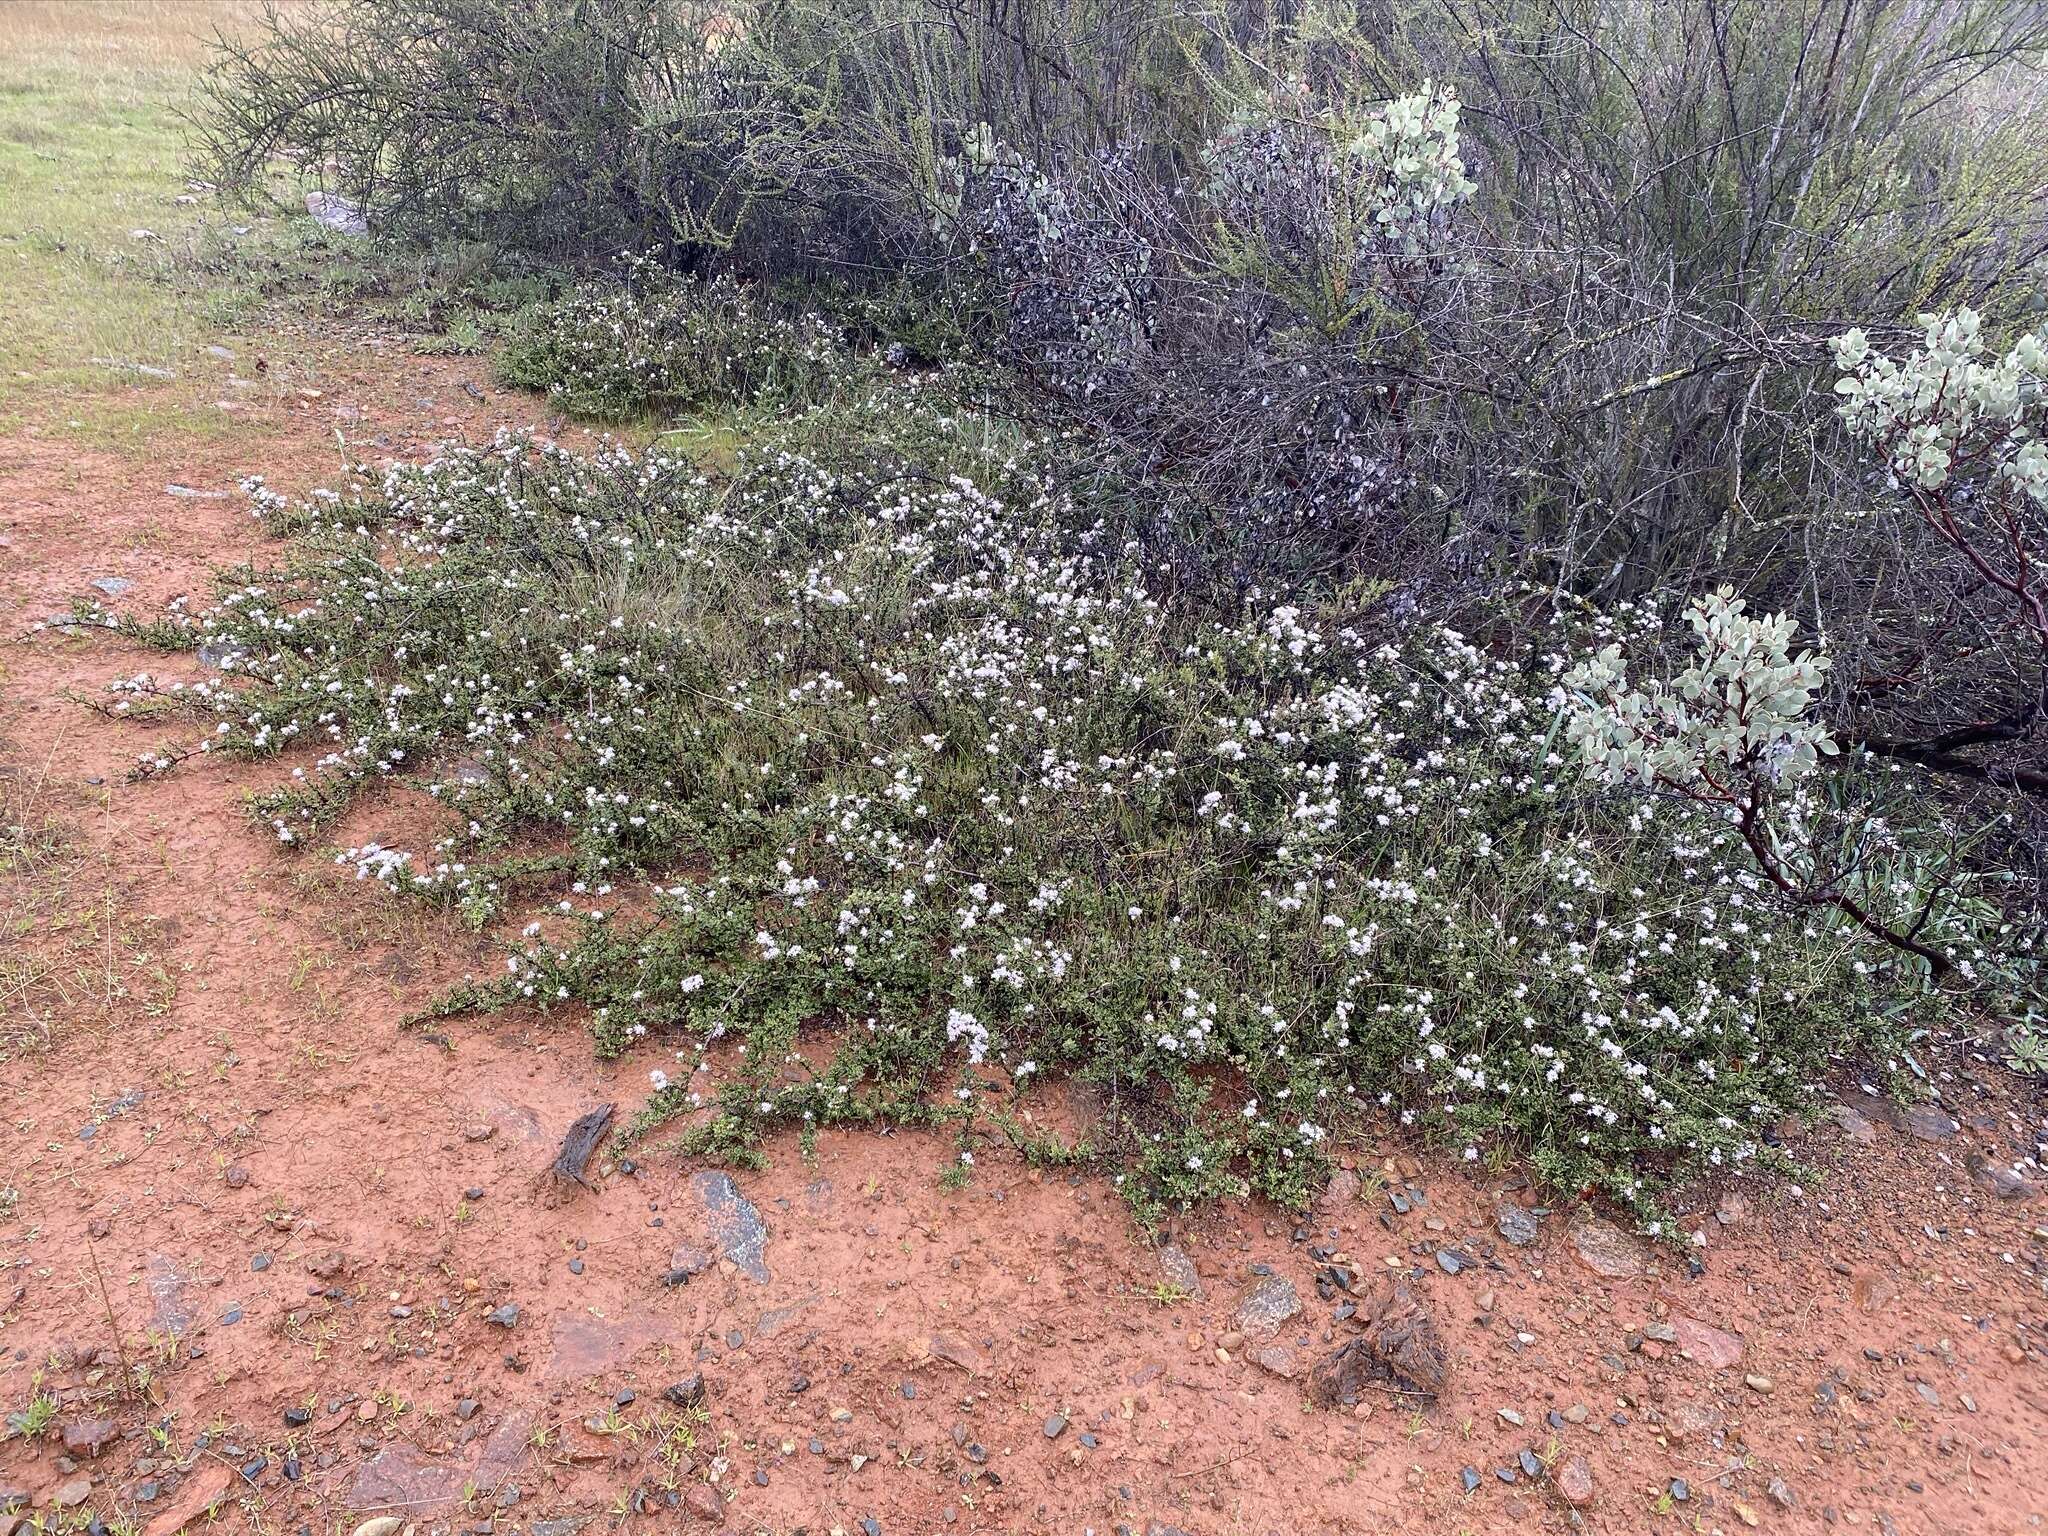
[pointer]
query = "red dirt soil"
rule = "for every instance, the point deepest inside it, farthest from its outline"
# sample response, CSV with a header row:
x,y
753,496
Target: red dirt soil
x,y
256,1192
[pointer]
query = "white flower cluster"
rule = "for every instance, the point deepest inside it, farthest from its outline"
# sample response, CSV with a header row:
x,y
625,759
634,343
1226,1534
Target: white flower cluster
x,y
612,352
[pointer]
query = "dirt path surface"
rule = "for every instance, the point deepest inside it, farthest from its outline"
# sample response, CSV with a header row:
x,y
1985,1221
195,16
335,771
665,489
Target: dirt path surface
x,y
327,1244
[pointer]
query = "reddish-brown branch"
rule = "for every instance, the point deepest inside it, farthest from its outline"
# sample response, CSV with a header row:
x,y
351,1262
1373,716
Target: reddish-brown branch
x,y
1750,826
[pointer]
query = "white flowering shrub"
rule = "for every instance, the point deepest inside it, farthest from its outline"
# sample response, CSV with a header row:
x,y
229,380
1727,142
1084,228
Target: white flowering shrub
x,y
1960,429
1957,427
660,345
1242,342
890,761
1951,409
1326,193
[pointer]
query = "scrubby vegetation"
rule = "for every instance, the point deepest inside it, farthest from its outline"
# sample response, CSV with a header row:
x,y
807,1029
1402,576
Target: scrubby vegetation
x,y
669,347
927,781
1260,573
1595,349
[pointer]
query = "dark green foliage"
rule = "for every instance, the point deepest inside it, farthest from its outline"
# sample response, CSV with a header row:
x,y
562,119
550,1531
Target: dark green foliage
x,y
886,760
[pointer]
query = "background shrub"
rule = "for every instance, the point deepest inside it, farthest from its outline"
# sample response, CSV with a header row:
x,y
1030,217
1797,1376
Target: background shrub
x,y
562,128
1607,369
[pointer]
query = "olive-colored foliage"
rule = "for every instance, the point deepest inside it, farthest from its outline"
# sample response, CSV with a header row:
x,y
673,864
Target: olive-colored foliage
x,y
893,763
670,347
563,128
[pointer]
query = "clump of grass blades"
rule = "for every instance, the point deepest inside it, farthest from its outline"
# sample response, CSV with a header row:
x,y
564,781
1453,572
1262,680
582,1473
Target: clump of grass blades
x,y
884,758
65,950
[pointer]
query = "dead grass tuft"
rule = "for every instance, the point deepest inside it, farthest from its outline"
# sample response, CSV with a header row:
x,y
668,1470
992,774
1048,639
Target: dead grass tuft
x,y
73,959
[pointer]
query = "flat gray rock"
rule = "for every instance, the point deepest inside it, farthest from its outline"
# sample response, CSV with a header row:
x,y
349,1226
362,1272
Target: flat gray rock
x,y
1179,1271
1265,1304
220,654
733,1222
1853,1124
1927,1122
336,213
1515,1225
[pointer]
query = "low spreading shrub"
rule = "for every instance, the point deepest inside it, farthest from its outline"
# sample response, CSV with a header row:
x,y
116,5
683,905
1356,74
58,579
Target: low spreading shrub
x,y
662,346
882,761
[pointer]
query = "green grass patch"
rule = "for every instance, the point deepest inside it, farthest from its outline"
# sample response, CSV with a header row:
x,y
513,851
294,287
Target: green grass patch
x,y
90,154
130,298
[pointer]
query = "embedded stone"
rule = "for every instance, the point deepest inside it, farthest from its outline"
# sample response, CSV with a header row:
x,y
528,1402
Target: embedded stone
x,y
1265,1304
1574,1481
1607,1250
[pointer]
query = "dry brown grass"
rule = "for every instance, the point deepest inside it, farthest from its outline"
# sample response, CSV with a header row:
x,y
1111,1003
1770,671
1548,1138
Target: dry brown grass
x,y
117,42
73,959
